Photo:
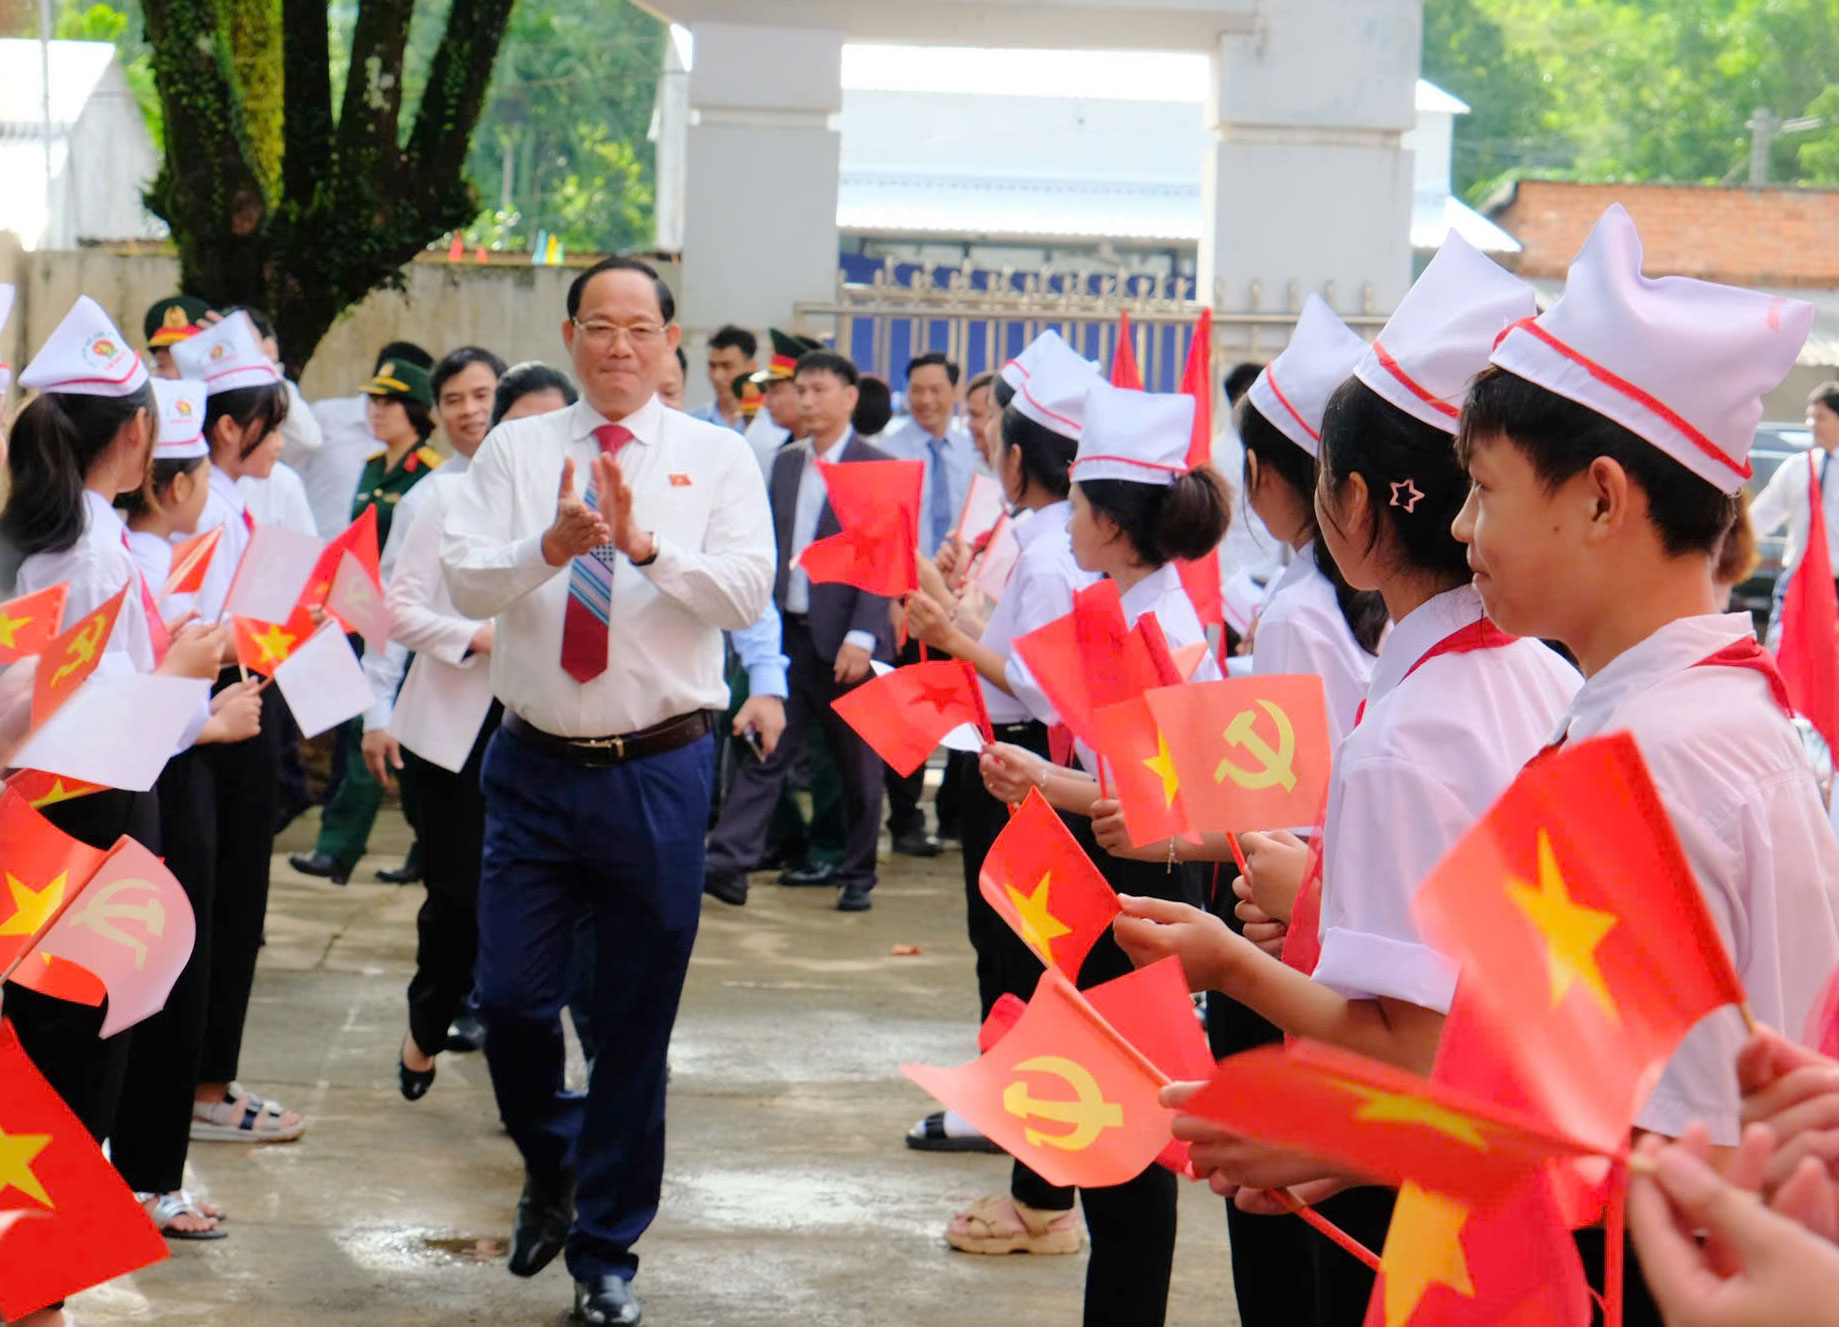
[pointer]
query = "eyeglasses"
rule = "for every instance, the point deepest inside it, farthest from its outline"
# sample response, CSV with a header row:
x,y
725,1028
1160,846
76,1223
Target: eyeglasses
x,y
601,336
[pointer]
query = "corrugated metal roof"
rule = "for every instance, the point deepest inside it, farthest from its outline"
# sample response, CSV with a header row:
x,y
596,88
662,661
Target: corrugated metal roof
x,y
1434,216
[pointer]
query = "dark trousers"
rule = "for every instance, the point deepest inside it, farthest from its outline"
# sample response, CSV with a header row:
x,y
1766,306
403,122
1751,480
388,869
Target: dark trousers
x,y
151,1138
625,841
1344,1284
351,810
1638,1306
904,813
960,780
740,834
447,927
245,777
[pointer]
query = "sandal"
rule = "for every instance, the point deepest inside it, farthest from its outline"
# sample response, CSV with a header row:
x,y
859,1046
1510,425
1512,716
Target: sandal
x,y
1002,1225
940,1132
169,1207
243,1117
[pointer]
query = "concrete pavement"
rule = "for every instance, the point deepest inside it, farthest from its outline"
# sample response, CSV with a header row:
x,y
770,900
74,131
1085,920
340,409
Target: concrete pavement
x,y
788,1199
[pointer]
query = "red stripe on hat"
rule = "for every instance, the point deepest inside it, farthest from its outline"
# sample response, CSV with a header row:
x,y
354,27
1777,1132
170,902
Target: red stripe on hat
x,y
1054,414
1270,380
241,368
1640,398
1131,460
1416,389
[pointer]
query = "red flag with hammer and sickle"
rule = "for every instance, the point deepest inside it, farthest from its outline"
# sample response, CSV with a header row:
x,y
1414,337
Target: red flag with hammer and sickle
x,y
28,623
1249,753
130,927
1063,1091
71,657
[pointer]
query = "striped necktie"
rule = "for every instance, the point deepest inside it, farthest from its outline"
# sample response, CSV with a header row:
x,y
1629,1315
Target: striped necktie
x,y
590,586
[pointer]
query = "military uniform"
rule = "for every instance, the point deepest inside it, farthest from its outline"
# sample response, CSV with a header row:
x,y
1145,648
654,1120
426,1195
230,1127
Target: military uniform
x,y
382,485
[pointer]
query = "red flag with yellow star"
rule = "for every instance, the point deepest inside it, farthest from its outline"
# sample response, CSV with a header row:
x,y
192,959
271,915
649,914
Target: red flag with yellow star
x,y
905,712
1581,934
877,504
1041,882
1249,753
44,868
69,658
261,647
1379,1121
1062,1091
28,623
191,560
41,788
1142,773
1448,1263
67,1222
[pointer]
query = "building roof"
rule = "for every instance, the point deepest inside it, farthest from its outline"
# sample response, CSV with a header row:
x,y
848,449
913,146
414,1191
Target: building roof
x,y
77,68
1434,216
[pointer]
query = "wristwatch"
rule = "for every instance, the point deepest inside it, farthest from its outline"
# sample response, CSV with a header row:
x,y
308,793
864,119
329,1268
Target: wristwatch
x,y
646,562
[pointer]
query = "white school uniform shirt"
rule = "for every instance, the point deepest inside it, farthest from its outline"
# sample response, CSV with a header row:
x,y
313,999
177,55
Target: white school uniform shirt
x,y
1785,498
224,506
1302,630
1743,800
1437,745
1040,590
695,486
152,555
97,566
331,474
280,499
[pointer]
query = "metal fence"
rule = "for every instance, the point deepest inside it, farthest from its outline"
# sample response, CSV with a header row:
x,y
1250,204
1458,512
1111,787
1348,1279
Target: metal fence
x,y
982,318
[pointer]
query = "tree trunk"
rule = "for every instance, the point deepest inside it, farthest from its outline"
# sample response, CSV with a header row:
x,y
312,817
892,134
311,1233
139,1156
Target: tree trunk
x,y
253,29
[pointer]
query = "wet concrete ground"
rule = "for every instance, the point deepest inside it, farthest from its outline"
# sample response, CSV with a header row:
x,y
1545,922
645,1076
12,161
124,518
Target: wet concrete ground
x,y
789,1198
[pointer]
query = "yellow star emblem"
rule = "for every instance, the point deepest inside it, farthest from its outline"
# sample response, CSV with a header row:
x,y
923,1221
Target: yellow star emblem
x,y
1163,767
1572,931
1423,1249
17,1152
274,644
1039,926
1379,1107
32,908
9,627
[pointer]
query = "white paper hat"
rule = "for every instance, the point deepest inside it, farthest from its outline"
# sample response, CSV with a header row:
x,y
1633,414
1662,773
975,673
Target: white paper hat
x,y
1292,391
181,430
1442,333
85,356
1681,363
1053,392
1139,436
225,356
1020,369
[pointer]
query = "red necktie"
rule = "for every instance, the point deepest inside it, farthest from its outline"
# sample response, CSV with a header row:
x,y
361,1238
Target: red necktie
x,y
590,586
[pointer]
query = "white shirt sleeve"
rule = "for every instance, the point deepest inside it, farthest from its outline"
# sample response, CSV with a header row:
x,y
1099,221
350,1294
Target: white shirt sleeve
x,y
383,669
301,435
413,591
1776,501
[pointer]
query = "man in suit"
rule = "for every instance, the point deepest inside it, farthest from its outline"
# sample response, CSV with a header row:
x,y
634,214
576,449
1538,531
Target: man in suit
x,y
831,633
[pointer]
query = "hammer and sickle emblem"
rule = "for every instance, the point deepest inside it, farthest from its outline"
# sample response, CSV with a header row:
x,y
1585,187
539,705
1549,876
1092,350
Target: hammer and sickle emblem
x,y
1090,1115
1275,767
100,916
82,649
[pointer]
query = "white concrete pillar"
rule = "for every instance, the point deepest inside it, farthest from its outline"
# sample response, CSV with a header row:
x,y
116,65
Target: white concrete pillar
x,y
1305,179
760,186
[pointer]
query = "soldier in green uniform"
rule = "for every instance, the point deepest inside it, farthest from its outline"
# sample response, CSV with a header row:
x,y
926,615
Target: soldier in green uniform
x,y
401,418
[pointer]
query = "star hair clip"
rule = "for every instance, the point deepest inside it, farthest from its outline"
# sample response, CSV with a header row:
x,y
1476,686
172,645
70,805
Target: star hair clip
x,y
1406,494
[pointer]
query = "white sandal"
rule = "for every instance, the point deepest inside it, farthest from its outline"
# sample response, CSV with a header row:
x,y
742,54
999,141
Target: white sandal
x,y
242,1117
169,1207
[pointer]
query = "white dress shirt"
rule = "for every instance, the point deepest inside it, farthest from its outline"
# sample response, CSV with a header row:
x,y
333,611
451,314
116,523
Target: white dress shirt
x,y
1785,498
1302,630
222,506
1040,590
1439,743
694,485
332,473
907,440
97,566
1742,798
766,438
280,499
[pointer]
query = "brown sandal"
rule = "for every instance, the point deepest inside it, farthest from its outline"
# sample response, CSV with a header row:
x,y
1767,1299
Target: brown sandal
x,y
1002,1225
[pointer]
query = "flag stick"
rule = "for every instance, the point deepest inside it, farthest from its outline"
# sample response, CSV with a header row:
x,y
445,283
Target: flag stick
x,y
1238,854
1614,1244
1326,1227
1749,1017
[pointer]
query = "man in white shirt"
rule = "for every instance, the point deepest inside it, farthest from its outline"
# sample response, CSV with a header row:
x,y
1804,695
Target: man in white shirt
x,y
331,473
1788,495
831,633
607,657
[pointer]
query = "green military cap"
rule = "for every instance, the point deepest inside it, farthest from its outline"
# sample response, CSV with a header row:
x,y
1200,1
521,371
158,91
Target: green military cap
x,y
175,318
786,350
401,380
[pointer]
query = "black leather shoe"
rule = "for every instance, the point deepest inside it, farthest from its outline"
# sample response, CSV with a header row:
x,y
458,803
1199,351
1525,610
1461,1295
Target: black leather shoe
x,y
414,1082
466,1034
606,1299
544,1213
317,863
408,873
917,844
811,873
854,898
786,855
733,892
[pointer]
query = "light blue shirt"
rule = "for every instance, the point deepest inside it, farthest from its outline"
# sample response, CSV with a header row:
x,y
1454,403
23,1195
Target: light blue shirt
x,y
907,441
711,414
759,649
806,512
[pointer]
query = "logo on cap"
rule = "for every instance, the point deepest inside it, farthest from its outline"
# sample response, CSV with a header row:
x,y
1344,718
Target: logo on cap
x,y
175,318
219,350
182,408
387,369
101,349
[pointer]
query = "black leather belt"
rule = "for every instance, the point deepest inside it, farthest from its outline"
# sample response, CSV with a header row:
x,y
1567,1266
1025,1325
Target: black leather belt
x,y
616,750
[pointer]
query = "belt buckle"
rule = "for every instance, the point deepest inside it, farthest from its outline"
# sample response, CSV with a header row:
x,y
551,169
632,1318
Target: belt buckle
x,y
617,745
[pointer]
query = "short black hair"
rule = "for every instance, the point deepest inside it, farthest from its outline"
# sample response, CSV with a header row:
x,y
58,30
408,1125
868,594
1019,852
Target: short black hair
x,y
683,360
1239,380
667,303
1364,434
874,406
521,380
405,350
456,360
1561,438
1826,394
931,358
1001,392
730,337
828,361
1164,523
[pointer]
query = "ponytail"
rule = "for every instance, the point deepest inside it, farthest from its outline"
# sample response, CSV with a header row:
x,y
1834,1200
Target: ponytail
x,y
1166,523
54,443
1364,611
